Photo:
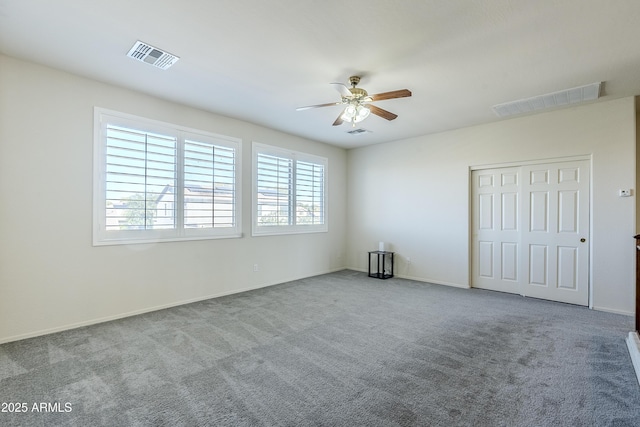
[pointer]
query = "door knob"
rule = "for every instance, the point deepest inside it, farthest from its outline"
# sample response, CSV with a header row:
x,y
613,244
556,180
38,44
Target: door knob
x,y
583,240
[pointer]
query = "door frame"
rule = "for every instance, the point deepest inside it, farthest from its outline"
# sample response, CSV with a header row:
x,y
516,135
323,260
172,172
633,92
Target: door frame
x,y
531,162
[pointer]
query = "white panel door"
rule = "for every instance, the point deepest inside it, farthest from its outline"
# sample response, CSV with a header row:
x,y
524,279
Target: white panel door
x,y
530,230
555,261
496,207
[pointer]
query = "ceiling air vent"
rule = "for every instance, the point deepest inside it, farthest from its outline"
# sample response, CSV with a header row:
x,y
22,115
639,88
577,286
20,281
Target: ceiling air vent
x,y
357,131
550,100
152,55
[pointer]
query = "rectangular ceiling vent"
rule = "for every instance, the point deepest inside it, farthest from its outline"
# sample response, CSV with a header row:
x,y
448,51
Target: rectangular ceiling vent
x,y
550,100
152,55
358,131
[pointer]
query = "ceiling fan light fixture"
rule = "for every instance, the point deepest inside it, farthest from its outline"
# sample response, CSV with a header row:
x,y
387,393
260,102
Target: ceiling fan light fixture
x,y
349,113
355,113
362,113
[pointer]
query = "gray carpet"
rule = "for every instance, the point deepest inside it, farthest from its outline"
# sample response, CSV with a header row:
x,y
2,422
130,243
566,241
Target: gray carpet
x,y
334,350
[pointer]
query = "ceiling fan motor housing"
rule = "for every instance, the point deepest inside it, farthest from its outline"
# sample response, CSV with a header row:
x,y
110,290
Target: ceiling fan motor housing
x,y
358,94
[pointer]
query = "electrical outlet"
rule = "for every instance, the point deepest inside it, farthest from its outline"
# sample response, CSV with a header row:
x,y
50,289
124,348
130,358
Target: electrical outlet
x,y
408,260
255,267
624,193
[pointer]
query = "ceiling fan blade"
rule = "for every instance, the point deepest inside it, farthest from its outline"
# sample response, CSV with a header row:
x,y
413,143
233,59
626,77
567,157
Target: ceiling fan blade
x,y
382,113
318,106
342,88
339,120
402,93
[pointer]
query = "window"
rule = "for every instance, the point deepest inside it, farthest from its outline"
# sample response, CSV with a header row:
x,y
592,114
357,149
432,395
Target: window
x,y
289,192
155,181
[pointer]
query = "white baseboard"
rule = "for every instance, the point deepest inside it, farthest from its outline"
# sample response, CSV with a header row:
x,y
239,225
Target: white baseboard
x,y
613,310
435,282
633,344
156,308
419,279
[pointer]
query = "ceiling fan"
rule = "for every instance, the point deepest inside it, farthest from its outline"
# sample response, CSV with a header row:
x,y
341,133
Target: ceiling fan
x,y
357,102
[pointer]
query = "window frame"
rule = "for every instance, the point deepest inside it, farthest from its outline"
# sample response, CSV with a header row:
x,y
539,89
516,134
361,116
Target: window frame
x,y
101,236
289,228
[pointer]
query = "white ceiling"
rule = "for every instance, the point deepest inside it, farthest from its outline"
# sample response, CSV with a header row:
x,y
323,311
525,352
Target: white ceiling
x,y
258,60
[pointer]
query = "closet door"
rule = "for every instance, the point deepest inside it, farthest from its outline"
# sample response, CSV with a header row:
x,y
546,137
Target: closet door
x,y
555,238
530,230
496,229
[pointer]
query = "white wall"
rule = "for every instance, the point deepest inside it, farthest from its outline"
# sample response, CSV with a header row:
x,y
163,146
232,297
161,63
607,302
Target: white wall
x,y
52,278
412,193
415,193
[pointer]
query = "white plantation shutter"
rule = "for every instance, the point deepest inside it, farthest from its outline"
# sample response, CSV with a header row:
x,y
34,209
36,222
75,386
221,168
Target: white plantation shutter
x,y
209,185
289,191
275,181
140,166
309,193
158,182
